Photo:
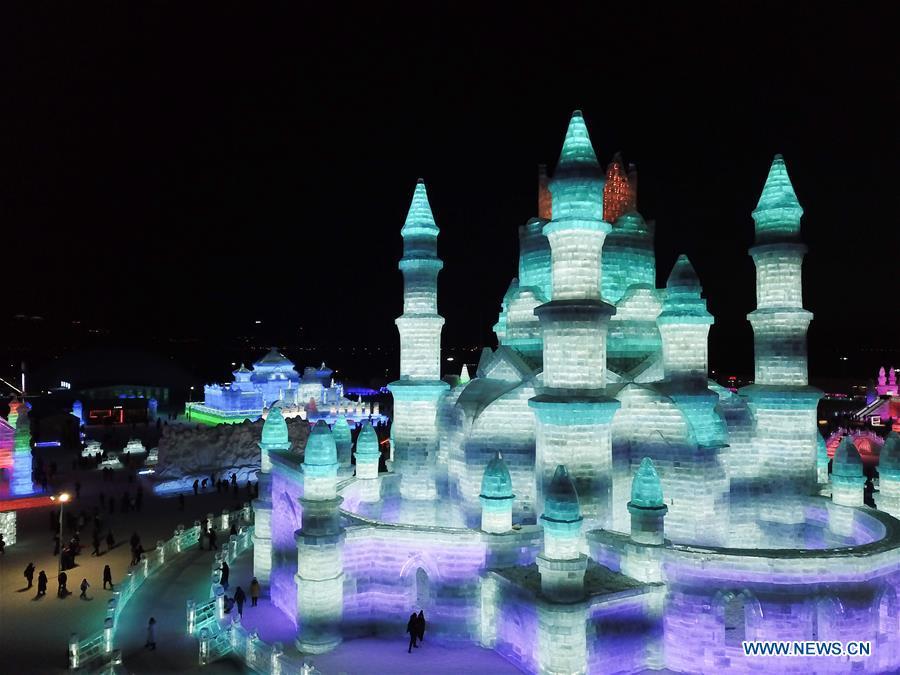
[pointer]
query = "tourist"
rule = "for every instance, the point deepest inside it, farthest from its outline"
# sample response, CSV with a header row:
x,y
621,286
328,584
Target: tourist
x,y
234,529
61,590
203,484
135,540
107,577
151,635
84,586
2,545
254,592
110,540
42,584
196,485
212,541
420,622
29,574
137,554
226,571
412,627
239,599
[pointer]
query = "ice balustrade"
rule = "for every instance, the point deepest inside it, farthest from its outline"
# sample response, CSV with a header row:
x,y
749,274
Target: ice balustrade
x,y
99,646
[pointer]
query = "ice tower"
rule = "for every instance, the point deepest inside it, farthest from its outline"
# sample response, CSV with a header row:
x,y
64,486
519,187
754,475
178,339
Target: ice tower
x,y
320,567
367,452
847,479
417,392
274,437
496,497
889,475
21,474
572,412
782,402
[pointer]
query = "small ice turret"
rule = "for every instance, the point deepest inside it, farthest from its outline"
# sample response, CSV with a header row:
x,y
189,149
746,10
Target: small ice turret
x,y
847,479
320,565
274,437
647,509
367,452
343,440
889,475
496,497
684,324
561,563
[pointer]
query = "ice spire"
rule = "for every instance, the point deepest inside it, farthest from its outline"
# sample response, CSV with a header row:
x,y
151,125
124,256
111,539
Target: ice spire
x,y
496,497
684,323
646,489
320,456
577,184
778,211
577,151
889,475
647,507
419,219
847,480
367,452
464,375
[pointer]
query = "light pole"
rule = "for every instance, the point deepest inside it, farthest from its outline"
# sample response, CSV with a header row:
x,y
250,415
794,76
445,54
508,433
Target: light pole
x,y
62,498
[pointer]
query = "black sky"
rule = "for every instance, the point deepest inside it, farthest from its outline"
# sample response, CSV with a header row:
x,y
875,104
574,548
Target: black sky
x,y
179,169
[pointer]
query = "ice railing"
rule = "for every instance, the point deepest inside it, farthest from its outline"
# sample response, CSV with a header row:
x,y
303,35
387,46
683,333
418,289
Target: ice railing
x,y
218,637
100,645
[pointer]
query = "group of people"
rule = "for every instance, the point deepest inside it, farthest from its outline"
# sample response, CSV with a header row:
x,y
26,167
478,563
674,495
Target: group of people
x,y
240,597
416,629
221,485
62,580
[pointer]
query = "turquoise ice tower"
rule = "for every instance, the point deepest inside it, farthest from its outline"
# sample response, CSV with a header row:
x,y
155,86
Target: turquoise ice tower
x,y
647,508
783,403
496,497
888,498
368,452
420,388
21,484
274,438
628,257
572,412
320,567
561,563
847,479
343,439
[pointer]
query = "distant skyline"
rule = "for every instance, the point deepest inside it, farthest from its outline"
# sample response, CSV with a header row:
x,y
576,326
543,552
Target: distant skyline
x,y
188,173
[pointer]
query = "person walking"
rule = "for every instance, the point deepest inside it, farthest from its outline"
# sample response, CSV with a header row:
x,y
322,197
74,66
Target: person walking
x,y
151,635
84,586
138,553
412,627
226,571
420,623
212,540
196,486
42,584
107,577
239,599
62,591
254,592
29,574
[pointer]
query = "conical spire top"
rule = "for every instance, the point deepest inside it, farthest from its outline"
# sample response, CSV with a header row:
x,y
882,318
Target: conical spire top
x,y
464,375
889,459
577,150
646,489
496,483
778,212
561,503
683,278
275,431
847,462
419,219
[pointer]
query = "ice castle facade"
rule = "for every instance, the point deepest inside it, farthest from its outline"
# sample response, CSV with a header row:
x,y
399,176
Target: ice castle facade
x,y
589,501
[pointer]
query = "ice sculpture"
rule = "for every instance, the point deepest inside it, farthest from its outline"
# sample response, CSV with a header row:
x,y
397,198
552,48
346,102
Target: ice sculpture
x,y
888,498
646,507
419,388
496,497
847,479
21,472
274,438
368,452
343,440
561,563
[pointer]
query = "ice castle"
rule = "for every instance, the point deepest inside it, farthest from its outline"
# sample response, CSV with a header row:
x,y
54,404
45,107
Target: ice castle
x,y
590,502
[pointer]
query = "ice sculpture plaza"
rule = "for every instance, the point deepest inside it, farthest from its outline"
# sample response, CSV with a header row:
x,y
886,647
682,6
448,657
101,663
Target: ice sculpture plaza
x,y
588,501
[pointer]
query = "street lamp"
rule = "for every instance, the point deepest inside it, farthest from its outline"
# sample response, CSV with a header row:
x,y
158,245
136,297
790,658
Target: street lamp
x,y
62,498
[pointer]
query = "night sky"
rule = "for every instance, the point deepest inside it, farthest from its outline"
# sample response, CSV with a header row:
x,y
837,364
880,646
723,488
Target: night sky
x,y
178,170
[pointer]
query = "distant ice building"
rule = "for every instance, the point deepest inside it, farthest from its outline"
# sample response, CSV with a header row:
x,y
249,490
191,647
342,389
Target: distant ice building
x,y
590,502
273,379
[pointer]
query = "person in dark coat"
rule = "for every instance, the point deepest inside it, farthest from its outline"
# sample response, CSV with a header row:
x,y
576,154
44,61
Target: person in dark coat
x,y
212,540
62,591
42,584
226,571
84,586
254,592
107,577
420,622
239,599
29,574
110,541
412,627
196,486
151,634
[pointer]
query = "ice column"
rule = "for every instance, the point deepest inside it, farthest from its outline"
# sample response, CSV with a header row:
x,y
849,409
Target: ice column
x,y
889,475
646,507
496,497
320,568
783,403
561,564
822,460
417,392
572,413
274,437
21,471
367,452
847,480
343,440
